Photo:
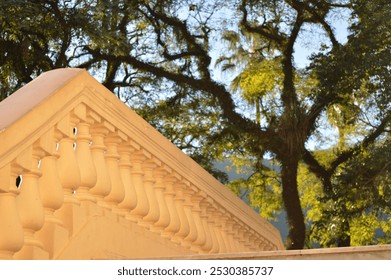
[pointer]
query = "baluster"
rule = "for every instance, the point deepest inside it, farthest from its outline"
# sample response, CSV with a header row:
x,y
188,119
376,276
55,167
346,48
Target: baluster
x,y
246,237
117,193
142,207
260,243
211,222
69,174
125,168
98,150
231,234
31,209
257,243
252,239
184,229
164,217
241,234
174,225
53,234
242,240
219,231
188,207
201,235
207,246
272,247
235,234
88,174
11,230
149,180
224,231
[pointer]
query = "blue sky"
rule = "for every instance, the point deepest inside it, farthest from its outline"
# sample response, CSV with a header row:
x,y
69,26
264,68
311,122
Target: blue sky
x,y
311,39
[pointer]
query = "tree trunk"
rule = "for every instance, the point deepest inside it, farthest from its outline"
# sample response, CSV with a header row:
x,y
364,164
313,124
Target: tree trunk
x,y
344,239
258,111
290,196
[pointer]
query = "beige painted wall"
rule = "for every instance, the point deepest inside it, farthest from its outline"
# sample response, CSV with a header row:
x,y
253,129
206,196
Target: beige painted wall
x,y
379,252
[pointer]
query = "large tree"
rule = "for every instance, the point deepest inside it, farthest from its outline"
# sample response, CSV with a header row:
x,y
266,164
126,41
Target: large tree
x,y
158,56
355,177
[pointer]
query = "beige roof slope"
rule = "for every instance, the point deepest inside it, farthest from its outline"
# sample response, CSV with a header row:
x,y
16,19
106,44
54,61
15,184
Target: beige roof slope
x,y
28,97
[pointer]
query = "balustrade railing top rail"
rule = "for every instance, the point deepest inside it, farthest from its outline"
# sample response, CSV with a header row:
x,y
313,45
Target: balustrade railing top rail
x,y
70,150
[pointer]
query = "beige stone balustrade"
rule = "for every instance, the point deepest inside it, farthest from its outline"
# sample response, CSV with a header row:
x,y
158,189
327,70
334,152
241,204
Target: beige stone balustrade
x,y
97,181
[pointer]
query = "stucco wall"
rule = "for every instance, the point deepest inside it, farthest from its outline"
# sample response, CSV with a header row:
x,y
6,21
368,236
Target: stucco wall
x,y
380,252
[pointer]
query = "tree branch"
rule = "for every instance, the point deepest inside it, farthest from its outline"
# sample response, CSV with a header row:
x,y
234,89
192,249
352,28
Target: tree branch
x,y
194,48
218,91
263,30
355,150
320,171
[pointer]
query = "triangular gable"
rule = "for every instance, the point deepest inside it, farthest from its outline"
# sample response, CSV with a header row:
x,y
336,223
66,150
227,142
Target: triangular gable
x,y
113,169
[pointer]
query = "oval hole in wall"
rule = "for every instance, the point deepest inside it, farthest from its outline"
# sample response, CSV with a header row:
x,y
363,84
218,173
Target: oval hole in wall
x,y
19,181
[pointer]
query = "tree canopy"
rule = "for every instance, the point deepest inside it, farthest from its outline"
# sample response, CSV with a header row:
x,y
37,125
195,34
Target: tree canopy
x,y
219,79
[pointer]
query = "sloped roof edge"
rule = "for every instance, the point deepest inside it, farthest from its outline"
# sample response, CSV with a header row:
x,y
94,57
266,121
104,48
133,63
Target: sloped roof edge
x,y
28,97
